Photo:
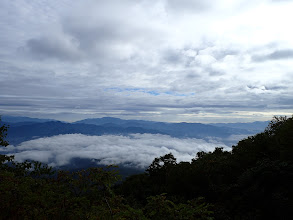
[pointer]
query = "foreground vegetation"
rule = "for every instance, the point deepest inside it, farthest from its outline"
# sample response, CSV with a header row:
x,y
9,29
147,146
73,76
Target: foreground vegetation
x,y
253,181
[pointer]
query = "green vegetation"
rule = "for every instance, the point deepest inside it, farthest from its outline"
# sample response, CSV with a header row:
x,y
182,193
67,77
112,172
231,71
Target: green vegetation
x,y
253,181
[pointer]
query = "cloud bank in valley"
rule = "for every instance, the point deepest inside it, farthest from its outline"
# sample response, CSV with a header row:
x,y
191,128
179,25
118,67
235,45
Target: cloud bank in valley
x,y
135,150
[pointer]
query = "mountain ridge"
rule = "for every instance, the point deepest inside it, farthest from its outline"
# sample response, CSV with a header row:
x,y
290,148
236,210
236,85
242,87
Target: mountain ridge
x,y
25,128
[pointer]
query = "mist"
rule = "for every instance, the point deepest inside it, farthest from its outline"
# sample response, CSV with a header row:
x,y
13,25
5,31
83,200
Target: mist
x,y
134,150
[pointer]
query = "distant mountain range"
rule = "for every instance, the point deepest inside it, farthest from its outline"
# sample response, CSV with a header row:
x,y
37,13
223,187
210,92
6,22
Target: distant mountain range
x,y
23,132
253,127
17,119
24,128
256,126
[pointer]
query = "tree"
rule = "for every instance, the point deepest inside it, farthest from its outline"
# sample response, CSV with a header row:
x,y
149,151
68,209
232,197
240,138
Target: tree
x,y
4,143
162,164
3,134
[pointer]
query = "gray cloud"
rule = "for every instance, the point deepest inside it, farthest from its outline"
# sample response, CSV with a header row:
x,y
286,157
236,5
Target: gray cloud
x,y
281,54
276,55
137,150
105,33
173,56
188,5
52,47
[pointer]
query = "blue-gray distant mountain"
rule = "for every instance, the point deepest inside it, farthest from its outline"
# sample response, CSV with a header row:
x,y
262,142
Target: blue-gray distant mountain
x,y
174,129
256,126
253,127
17,119
19,132
105,120
24,128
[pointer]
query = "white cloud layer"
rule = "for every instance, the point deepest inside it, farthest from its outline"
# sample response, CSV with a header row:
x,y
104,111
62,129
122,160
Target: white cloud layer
x,y
164,60
135,150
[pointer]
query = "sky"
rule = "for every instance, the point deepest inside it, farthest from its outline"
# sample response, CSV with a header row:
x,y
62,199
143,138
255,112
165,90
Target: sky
x,y
161,60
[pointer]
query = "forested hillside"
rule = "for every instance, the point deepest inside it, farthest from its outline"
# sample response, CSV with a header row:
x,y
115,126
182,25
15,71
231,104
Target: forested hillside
x,y
253,181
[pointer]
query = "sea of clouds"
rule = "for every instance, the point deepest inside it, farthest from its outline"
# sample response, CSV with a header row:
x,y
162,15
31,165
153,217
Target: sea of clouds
x,y
135,150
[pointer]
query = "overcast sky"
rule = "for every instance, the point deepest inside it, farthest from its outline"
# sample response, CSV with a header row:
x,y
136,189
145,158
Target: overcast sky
x,y
162,60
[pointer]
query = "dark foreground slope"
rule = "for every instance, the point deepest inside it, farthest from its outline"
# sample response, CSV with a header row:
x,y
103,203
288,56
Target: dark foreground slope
x,y
253,181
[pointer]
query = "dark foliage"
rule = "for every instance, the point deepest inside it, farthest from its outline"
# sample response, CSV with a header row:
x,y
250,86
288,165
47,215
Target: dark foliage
x,y
253,181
